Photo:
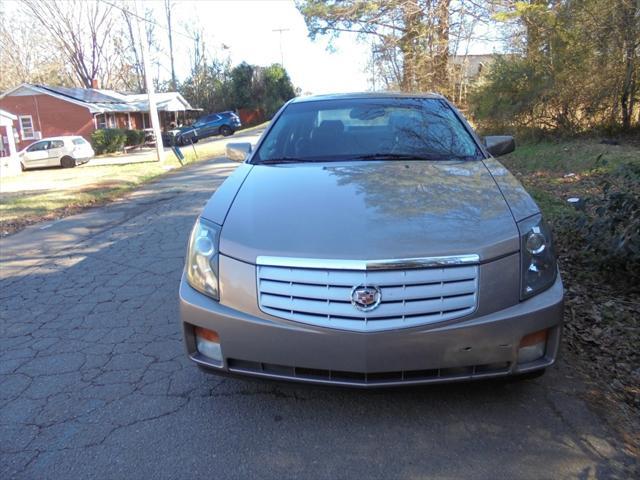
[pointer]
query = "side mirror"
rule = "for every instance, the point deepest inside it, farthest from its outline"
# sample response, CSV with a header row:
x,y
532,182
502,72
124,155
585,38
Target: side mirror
x,y
238,152
499,145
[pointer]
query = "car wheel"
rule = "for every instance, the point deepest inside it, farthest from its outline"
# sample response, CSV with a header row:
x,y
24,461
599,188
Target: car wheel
x,y
226,131
67,162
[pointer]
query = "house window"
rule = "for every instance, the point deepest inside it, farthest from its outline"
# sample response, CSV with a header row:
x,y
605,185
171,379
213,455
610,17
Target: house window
x,y
26,127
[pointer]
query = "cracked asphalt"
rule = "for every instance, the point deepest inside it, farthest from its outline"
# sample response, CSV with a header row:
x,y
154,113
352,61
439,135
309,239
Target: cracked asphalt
x,y
94,382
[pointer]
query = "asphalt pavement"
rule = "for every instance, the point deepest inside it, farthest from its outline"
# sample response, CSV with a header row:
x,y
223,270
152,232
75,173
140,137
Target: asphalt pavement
x,y
94,381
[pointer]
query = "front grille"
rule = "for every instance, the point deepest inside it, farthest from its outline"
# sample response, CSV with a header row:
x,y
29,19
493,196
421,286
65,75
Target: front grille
x,y
372,378
408,297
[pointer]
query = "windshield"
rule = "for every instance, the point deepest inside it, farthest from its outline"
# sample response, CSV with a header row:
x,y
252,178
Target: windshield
x,y
367,128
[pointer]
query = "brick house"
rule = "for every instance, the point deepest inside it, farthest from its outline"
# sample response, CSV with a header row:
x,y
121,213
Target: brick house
x,y
44,111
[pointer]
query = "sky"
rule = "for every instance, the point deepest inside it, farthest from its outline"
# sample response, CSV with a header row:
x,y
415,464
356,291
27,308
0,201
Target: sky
x,y
247,28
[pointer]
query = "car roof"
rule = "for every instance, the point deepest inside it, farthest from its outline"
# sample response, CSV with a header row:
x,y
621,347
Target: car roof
x,y
216,113
61,137
359,95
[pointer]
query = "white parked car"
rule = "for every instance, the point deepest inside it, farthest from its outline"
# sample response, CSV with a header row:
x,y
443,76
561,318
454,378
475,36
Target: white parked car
x,y
66,152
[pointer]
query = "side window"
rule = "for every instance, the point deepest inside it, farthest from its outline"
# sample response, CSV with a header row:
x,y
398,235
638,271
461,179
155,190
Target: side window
x,y
56,144
101,120
79,141
26,127
38,146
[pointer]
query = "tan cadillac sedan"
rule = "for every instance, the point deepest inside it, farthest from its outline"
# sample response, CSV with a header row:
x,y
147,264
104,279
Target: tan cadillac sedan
x,y
371,240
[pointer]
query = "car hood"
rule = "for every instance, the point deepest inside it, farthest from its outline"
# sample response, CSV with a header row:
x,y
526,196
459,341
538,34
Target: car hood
x,y
368,211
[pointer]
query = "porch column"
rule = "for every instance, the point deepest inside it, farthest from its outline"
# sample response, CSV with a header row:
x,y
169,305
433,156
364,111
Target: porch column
x,y
9,165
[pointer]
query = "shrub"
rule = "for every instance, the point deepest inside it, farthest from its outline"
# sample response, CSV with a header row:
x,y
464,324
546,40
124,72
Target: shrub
x,y
610,224
134,137
108,140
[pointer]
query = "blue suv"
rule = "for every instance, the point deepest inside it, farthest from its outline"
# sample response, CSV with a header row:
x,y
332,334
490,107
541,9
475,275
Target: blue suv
x,y
222,123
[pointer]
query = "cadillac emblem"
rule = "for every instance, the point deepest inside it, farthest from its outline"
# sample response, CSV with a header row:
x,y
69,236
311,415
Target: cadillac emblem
x,y
365,297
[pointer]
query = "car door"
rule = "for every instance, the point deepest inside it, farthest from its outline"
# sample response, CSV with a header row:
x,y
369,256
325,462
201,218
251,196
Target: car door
x,y
208,127
214,125
55,151
198,127
36,154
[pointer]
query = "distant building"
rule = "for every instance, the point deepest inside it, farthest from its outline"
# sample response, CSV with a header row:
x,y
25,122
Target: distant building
x,y
44,111
465,71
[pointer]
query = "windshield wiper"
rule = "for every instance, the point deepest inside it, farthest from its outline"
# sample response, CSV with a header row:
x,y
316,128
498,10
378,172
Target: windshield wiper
x,y
372,156
408,156
274,161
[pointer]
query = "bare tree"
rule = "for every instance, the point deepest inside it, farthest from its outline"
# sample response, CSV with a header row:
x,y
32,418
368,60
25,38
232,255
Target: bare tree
x,y
82,31
135,51
24,57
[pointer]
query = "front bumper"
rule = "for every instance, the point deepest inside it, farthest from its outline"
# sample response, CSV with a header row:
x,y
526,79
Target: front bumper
x,y
485,346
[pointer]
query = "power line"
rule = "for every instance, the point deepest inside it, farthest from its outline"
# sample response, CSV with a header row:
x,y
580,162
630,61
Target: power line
x,y
126,11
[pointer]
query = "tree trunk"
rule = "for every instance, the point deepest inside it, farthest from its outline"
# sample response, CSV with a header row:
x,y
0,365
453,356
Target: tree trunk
x,y
629,33
441,51
534,29
411,17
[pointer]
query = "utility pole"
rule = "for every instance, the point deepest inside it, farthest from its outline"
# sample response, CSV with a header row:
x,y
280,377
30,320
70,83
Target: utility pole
x,y
167,8
280,30
153,110
374,51
373,69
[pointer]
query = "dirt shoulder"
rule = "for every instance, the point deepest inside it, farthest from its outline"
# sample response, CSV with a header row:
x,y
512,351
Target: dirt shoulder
x,y
602,304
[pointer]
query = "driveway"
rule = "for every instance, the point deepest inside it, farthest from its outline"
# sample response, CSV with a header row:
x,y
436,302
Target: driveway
x,y
147,154
94,382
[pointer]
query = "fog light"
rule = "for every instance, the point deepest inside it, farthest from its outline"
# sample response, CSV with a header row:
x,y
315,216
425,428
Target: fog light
x,y
208,343
532,346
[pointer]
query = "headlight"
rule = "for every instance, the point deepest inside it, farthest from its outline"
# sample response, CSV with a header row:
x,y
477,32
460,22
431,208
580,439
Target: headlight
x,y
539,267
202,258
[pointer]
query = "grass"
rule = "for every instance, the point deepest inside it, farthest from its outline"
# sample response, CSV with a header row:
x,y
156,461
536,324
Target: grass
x,y
52,193
90,186
553,171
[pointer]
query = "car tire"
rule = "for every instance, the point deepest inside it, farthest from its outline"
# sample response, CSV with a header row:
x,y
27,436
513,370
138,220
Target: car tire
x,y
67,162
226,131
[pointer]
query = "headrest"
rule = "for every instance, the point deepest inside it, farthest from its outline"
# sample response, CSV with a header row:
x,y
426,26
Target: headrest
x,y
331,126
